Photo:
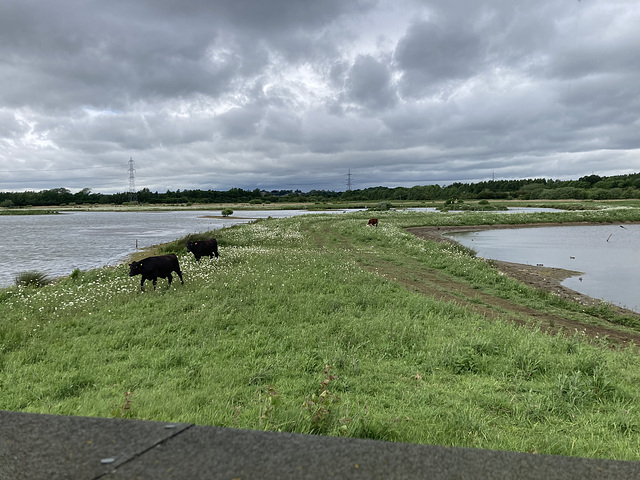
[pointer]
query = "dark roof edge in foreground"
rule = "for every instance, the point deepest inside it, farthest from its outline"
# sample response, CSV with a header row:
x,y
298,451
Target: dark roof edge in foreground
x,y
35,446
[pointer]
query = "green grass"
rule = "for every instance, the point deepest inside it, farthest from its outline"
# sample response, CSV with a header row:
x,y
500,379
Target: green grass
x,y
288,331
32,279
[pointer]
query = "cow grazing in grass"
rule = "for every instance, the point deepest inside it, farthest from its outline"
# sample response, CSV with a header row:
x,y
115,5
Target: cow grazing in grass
x,y
203,248
153,267
373,222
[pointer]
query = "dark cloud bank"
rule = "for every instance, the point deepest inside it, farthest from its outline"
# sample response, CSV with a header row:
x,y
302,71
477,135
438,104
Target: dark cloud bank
x,y
291,94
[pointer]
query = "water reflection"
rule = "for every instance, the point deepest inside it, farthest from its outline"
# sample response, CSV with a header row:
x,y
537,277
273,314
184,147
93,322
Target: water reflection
x,y
607,254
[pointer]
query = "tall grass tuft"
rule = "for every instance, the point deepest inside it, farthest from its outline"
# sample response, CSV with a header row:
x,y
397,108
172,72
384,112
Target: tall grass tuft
x,y
32,279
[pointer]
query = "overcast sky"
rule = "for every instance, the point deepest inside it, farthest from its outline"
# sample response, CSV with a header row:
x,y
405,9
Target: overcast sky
x,y
294,94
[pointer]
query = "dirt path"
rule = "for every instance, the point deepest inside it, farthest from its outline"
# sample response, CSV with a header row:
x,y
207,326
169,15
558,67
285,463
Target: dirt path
x,y
434,283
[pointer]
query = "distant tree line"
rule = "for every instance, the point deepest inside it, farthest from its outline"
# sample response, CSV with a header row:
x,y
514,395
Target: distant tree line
x,y
589,187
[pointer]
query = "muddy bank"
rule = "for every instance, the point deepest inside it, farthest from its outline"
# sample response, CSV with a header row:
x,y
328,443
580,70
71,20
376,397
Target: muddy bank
x,y
540,277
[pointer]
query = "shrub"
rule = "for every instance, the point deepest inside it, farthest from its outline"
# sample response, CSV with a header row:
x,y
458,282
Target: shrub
x,y
383,206
226,212
32,279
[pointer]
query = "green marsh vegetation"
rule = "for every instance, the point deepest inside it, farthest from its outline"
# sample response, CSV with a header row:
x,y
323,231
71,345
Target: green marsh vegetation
x,y
301,327
28,212
32,279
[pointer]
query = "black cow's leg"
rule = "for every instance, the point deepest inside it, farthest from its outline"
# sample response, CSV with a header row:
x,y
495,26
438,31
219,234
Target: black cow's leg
x,y
142,284
180,275
155,280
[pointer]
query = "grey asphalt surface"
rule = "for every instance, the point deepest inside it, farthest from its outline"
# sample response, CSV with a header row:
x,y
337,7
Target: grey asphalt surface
x,y
34,446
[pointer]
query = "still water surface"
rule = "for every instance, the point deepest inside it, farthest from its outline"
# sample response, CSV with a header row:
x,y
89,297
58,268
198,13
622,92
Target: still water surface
x,y
609,256
58,244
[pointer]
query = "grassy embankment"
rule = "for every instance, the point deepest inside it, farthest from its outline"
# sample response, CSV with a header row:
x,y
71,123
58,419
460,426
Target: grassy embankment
x,y
291,331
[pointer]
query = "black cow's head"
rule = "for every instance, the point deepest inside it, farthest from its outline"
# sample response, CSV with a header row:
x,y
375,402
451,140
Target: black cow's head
x,y
135,268
190,246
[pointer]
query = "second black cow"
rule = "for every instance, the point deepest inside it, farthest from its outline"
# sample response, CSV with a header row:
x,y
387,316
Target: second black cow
x,y
203,248
153,267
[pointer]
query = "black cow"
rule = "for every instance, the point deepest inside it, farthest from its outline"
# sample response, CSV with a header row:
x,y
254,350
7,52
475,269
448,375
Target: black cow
x,y
153,267
203,248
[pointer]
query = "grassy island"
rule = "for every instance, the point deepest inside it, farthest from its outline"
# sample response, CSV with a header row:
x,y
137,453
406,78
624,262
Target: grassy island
x,y
320,324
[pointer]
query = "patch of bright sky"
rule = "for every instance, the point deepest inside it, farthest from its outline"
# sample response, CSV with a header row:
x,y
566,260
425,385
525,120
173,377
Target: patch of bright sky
x,y
204,105
94,112
305,83
381,29
33,138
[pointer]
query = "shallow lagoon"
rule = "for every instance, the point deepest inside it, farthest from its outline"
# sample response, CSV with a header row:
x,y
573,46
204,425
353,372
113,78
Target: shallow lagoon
x,y
58,244
609,256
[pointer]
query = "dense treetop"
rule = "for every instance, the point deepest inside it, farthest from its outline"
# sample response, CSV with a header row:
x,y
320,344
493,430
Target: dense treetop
x,y
589,187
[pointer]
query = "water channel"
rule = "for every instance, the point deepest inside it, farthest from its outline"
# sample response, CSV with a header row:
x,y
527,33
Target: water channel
x,y
608,256
58,244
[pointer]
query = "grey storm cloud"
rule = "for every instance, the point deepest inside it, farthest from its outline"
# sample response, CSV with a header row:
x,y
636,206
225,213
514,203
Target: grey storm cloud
x,y
432,52
370,84
291,94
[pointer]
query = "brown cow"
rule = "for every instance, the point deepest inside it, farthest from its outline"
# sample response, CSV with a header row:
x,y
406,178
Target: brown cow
x,y
373,221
